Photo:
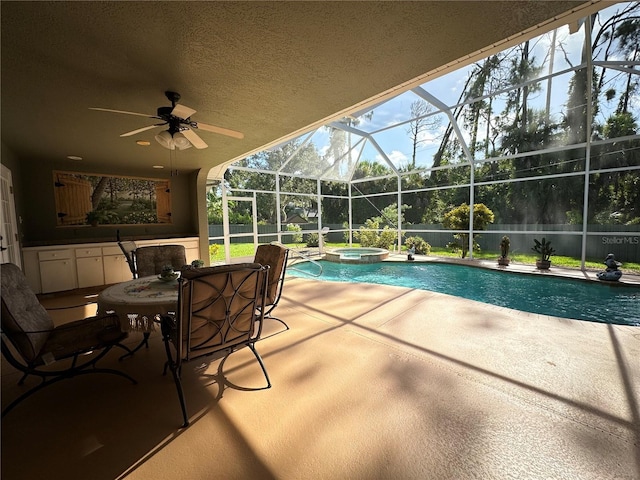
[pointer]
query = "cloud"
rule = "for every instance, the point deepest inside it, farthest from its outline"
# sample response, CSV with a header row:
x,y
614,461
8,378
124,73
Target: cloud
x,y
396,157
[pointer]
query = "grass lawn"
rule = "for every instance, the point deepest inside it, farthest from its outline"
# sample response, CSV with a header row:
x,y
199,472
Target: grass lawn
x,y
246,250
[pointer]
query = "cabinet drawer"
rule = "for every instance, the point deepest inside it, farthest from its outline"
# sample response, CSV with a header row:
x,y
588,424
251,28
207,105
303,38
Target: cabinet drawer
x,y
54,255
111,251
88,252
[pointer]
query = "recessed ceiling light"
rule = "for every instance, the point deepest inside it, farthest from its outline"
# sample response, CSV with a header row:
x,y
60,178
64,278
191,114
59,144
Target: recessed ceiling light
x,y
74,157
143,143
158,166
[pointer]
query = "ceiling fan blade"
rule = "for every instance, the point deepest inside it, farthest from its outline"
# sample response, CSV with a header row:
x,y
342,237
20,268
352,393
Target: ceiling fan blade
x,y
139,130
181,111
220,130
195,140
122,111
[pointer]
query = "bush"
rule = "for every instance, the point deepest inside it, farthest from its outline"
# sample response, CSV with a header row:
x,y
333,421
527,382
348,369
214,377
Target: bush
x,y
296,237
213,251
420,245
370,235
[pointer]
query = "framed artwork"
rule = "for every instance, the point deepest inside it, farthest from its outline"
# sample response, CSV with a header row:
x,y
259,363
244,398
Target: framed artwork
x,y
93,199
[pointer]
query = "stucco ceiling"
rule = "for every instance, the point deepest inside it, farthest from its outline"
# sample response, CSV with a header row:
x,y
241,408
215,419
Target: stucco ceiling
x,y
267,69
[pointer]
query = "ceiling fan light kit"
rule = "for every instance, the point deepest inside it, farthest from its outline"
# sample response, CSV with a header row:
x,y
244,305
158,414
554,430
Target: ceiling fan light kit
x,y
181,134
173,141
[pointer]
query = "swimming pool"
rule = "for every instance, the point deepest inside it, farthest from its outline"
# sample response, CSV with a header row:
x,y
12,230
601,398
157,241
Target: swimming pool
x,y
530,293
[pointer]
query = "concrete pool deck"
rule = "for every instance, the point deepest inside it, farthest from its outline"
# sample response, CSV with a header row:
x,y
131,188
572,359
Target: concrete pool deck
x,y
370,382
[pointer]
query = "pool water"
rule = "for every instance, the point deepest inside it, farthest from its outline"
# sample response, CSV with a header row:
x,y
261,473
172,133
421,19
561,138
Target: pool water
x,y
530,293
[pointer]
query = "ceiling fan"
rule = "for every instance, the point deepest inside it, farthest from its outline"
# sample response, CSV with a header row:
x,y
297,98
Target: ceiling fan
x,y
180,133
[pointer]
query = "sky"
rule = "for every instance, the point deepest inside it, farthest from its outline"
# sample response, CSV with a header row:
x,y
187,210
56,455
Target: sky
x,y
392,137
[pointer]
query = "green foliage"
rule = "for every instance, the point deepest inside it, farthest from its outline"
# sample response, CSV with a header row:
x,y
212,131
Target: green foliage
x,y
214,208
543,249
296,237
214,248
313,240
371,235
346,234
380,231
458,219
620,125
419,244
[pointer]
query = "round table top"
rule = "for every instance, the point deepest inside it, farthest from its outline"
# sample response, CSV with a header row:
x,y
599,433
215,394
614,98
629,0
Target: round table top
x,y
139,301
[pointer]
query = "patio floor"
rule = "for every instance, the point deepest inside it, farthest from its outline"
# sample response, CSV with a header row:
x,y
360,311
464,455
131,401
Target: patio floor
x,y
370,382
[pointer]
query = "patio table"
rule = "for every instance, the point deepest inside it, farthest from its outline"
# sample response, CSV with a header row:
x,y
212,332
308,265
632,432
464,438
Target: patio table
x,y
138,303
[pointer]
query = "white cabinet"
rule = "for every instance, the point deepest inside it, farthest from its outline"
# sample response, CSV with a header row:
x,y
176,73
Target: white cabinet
x,y
116,268
57,270
64,267
89,267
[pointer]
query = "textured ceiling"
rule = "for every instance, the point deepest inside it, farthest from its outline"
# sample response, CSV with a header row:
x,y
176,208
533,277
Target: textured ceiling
x,y
266,69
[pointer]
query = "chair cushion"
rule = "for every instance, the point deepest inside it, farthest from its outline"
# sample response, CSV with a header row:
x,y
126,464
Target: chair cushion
x,y
274,256
82,336
150,260
22,312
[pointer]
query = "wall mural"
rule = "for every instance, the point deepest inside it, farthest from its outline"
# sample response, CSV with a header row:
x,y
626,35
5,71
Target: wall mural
x,y
92,199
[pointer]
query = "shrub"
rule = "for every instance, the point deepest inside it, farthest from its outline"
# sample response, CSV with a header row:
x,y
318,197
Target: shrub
x,y
458,219
420,245
296,237
370,235
213,251
313,240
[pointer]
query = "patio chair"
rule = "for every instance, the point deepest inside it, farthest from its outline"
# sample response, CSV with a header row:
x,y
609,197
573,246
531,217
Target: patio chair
x,y
216,313
276,257
129,250
33,345
150,260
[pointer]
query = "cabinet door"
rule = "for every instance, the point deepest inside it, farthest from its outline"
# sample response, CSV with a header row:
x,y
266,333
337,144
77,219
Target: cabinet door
x,y
116,269
90,271
57,275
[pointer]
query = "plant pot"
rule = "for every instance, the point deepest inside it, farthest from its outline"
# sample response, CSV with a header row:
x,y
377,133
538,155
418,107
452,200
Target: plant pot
x,y
503,261
543,264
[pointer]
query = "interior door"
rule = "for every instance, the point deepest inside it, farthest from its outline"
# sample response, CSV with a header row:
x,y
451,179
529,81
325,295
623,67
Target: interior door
x,y
9,244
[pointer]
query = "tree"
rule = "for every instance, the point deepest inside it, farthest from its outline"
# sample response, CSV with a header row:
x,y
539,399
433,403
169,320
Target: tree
x,y
423,120
458,219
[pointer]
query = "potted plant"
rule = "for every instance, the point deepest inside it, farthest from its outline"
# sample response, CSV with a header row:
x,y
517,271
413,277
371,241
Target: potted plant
x,y
505,243
545,251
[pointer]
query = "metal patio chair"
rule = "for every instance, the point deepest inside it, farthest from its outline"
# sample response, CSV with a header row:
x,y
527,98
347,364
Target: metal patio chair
x,y
216,313
33,345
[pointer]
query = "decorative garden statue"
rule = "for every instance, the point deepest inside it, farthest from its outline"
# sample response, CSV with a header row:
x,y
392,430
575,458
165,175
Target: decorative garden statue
x,y
611,274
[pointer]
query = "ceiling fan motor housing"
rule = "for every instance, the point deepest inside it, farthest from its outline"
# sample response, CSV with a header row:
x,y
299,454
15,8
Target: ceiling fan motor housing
x,y
164,112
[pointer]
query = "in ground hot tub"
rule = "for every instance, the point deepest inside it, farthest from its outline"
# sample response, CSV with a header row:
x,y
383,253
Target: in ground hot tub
x,y
356,255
